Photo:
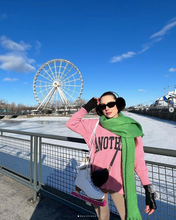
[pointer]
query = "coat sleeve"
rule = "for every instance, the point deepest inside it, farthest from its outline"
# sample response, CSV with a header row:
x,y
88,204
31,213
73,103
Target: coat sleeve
x,y
140,166
84,127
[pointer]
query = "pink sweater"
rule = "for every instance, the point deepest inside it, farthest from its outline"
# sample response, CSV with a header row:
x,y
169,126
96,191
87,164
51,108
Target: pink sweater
x,y
104,147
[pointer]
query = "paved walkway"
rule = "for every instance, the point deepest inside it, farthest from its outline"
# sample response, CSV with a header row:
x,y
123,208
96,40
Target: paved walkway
x,y
14,204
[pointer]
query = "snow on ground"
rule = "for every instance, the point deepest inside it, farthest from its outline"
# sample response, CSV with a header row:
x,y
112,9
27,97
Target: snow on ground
x,y
157,132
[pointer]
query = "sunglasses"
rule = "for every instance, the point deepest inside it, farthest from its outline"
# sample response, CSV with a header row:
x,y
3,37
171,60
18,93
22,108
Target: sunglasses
x,y
109,104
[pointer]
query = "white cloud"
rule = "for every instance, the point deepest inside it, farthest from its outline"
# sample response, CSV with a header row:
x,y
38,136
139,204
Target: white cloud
x,y
150,44
172,70
123,56
141,90
13,46
38,46
10,79
145,48
166,75
16,60
165,29
15,63
155,38
25,83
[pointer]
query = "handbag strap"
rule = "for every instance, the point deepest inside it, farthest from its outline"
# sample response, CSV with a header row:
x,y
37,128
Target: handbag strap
x,y
93,133
92,137
112,161
91,142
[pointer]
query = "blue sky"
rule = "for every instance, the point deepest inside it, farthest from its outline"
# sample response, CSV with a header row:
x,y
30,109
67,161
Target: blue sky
x,y
119,45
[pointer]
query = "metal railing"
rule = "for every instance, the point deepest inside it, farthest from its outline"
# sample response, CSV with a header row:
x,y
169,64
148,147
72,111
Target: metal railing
x,y
47,164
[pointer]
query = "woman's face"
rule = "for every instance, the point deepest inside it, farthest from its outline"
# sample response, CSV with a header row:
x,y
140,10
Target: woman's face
x,y
108,111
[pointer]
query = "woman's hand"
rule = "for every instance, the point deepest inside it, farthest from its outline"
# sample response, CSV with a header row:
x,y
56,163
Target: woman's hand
x,y
98,100
91,104
148,210
151,195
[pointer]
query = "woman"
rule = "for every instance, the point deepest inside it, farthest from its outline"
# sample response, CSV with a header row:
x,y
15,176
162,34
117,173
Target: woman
x,y
121,182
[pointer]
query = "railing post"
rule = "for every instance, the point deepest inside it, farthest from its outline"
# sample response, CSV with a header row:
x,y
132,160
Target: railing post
x,y
40,162
35,168
31,158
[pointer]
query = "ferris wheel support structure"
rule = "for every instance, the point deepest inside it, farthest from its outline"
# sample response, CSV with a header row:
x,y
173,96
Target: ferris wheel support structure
x,y
46,99
63,97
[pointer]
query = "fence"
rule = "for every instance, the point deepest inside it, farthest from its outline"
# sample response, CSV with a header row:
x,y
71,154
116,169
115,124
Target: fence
x,y
47,164
162,113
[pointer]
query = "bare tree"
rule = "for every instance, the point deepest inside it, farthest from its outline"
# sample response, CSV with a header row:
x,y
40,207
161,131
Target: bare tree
x,y
20,108
6,107
80,102
13,107
3,101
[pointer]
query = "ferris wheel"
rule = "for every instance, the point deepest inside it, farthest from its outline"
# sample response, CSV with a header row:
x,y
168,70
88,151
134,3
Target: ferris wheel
x,y
57,81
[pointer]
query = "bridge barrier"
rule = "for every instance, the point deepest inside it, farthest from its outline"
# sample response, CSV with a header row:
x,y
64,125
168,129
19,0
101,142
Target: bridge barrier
x,y
48,165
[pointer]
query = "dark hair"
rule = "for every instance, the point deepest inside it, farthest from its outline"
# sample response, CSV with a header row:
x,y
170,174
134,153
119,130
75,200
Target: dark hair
x,y
120,102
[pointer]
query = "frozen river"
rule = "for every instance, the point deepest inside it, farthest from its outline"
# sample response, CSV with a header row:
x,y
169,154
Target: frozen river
x,y
158,133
